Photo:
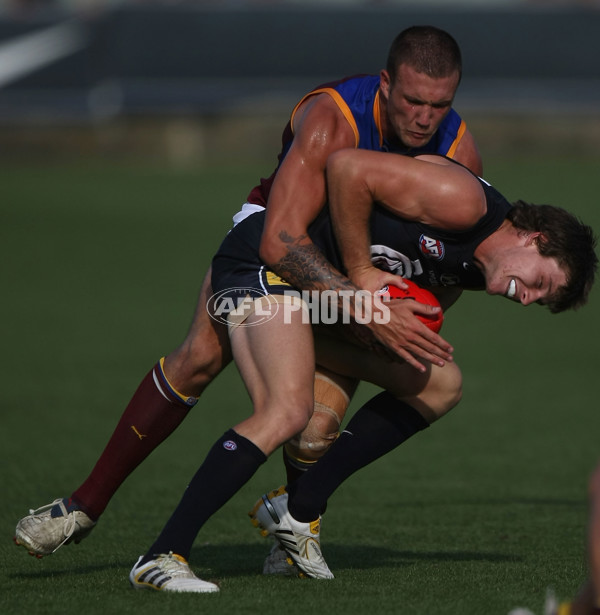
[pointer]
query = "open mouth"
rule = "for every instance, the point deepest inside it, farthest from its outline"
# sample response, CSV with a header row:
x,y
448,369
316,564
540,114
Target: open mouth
x,y
512,289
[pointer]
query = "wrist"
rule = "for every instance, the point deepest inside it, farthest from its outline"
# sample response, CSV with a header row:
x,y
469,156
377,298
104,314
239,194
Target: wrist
x,y
358,273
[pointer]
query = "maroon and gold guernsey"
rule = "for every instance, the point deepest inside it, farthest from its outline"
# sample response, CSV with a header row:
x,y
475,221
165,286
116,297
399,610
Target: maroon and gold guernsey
x,y
358,99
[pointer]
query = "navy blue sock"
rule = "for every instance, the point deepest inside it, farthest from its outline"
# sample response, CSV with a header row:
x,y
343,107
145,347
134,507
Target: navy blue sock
x,y
229,465
377,428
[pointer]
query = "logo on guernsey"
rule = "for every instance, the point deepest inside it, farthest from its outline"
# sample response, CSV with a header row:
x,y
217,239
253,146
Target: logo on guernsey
x,y
432,248
230,445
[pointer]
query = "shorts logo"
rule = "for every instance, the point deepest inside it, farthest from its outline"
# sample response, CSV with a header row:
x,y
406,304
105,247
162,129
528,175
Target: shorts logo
x,y
432,248
274,280
230,445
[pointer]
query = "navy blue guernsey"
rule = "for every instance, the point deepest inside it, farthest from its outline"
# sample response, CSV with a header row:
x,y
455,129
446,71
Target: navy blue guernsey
x,y
428,255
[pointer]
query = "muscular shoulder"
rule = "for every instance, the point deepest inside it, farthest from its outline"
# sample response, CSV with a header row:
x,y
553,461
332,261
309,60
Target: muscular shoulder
x,y
319,120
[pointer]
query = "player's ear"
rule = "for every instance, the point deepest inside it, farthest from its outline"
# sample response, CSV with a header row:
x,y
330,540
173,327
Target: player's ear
x,y
384,83
536,238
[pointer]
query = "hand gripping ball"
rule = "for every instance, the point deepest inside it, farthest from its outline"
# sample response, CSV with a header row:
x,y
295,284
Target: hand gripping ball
x,y
419,294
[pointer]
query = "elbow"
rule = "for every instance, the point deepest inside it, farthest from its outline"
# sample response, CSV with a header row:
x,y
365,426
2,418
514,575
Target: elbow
x,y
266,253
270,251
340,166
344,177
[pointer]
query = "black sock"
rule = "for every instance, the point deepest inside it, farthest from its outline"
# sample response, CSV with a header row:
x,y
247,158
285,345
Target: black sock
x,y
229,465
294,468
381,425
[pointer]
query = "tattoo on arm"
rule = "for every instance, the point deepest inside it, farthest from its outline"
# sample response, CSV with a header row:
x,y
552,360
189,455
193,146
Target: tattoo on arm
x,y
305,267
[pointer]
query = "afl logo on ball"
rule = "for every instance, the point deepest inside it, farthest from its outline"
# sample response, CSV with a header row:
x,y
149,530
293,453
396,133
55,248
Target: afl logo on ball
x,y
230,445
432,248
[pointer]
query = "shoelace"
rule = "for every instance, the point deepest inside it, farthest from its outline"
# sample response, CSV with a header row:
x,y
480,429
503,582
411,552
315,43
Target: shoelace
x,y
70,522
171,565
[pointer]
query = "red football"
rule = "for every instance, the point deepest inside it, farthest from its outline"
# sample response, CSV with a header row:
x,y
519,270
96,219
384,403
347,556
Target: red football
x,y
418,294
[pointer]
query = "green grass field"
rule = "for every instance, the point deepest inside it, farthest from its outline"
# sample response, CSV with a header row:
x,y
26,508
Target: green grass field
x,y
479,514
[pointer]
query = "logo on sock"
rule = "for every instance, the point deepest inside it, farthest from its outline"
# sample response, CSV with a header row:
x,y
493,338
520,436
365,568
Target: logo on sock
x,y
141,436
230,445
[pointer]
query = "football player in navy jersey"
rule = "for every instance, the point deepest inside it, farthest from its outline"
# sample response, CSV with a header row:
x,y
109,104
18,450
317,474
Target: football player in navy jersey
x,y
525,259
522,252
408,107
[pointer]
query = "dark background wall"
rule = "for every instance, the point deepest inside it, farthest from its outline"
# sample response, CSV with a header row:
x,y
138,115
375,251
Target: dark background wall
x,y
157,59
208,65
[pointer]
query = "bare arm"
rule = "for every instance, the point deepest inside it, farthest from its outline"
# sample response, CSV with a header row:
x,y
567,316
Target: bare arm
x,y
297,196
428,189
299,193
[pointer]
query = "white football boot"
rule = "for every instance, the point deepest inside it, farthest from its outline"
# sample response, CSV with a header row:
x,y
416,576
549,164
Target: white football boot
x,y
48,528
168,573
299,539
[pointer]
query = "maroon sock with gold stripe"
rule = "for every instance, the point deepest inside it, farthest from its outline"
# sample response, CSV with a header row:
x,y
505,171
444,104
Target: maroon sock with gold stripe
x,y
153,413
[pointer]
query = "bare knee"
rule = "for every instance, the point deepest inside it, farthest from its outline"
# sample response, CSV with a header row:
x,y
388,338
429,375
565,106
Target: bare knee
x,y
275,422
315,438
332,396
442,393
204,353
451,391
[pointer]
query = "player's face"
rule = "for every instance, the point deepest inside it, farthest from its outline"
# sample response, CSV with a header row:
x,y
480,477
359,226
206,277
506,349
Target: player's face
x,y
523,275
415,104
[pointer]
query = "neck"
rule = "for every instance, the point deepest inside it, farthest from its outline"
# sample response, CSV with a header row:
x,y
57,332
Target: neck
x,y
486,251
